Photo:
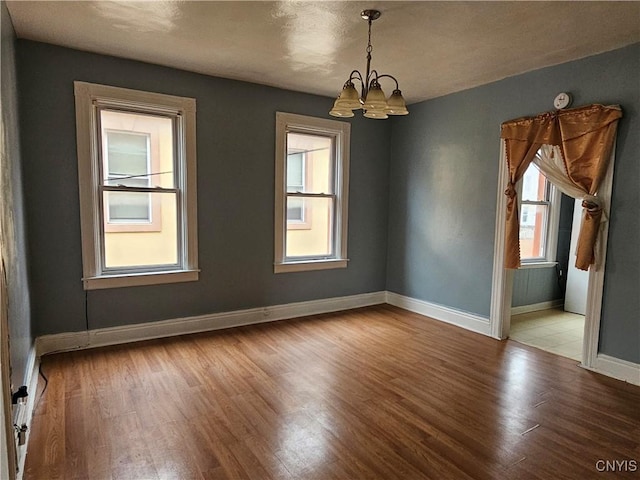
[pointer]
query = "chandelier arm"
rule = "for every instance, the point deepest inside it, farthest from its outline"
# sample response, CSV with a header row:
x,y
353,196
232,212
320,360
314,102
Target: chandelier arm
x,y
378,77
358,76
372,78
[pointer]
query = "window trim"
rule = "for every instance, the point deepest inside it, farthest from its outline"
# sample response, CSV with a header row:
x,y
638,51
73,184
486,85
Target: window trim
x,y
341,131
553,225
88,98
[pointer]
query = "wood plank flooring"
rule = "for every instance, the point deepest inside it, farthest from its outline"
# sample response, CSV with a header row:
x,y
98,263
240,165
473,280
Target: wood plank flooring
x,y
374,393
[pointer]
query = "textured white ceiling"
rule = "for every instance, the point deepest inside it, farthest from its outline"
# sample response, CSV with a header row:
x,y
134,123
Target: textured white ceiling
x,y
432,48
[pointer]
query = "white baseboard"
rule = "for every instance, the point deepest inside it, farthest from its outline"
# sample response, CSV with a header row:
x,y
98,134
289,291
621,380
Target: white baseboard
x,y
534,307
465,320
203,323
25,412
617,368
605,365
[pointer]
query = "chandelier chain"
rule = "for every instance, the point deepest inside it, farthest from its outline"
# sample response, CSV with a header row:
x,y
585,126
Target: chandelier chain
x,y
369,46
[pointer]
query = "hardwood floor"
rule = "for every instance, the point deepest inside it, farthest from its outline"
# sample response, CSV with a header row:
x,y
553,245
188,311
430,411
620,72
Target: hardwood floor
x,y
374,393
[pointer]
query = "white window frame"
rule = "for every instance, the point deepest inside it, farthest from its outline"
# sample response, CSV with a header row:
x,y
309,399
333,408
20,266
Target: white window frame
x,y
90,98
553,221
341,133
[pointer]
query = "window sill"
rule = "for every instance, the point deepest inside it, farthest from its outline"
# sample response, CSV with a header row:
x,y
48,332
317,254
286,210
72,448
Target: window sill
x,y
541,264
139,279
309,265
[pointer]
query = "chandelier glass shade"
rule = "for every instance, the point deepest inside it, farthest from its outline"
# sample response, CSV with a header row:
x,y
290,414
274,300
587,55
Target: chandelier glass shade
x,y
371,99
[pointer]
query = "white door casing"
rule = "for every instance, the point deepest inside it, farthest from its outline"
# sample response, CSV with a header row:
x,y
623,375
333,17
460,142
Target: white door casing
x,y
502,282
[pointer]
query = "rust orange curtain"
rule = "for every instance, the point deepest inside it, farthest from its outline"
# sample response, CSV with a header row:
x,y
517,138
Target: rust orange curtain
x,y
585,136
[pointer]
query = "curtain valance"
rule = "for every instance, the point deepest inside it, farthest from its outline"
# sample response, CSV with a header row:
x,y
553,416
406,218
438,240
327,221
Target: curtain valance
x,y
585,137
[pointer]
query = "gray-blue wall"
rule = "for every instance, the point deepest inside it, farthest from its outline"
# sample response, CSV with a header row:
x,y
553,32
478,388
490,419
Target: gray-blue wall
x,y
12,214
536,285
236,151
444,182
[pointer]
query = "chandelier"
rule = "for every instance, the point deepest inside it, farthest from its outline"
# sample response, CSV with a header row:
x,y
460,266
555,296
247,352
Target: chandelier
x,y
372,99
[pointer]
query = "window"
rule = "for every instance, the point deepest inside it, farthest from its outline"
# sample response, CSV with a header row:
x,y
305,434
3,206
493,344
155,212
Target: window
x,y
312,184
136,168
539,217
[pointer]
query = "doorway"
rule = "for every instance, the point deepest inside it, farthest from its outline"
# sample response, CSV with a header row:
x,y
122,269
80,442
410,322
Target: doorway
x,y
502,280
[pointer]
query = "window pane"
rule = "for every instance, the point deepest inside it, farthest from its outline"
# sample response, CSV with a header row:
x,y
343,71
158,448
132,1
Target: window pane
x,y
533,231
143,248
137,149
295,210
295,172
316,238
534,185
127,155
128,207
310,163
